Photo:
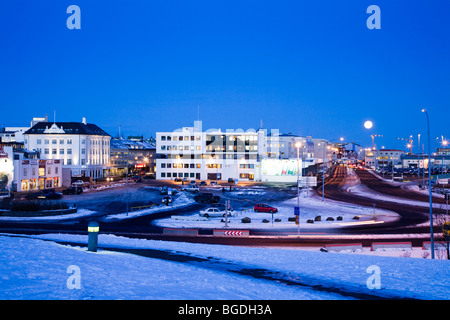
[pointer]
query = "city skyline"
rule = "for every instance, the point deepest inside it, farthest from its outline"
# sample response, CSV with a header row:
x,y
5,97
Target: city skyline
x,y
284,162
309,69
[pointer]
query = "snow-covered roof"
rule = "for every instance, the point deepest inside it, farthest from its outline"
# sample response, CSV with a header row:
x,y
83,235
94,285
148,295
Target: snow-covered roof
x,y
131,144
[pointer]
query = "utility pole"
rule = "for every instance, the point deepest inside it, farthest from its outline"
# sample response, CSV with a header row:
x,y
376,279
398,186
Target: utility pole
x,y
429,185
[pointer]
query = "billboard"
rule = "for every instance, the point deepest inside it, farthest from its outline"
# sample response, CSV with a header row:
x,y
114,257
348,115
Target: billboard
x,y
279,170
277,167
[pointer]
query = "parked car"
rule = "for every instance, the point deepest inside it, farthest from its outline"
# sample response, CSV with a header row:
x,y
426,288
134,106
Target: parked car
x,y
51,194
190,188
206,198
203,183
192,183
212,212
34,196
46,194
230,180
166,200
213,183
137,178
261,207
78,183
221,207
73,190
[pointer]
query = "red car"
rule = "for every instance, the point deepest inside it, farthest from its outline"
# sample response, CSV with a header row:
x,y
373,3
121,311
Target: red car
x,y
264,208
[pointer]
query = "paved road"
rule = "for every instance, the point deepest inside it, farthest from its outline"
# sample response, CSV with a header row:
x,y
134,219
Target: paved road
x,y
410,215
378,185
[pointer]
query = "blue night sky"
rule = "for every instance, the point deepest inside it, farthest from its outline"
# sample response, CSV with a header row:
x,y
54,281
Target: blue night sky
x,y
306,67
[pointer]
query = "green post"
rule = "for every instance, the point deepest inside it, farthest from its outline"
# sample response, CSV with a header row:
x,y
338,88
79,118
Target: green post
x,y
93,229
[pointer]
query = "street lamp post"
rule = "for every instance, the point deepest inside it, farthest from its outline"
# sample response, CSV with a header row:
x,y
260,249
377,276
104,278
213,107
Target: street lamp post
x,y
429,185
298,145
323,172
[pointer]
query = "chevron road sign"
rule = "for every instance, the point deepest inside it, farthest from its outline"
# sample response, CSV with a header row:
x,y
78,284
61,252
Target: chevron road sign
x,y
231,233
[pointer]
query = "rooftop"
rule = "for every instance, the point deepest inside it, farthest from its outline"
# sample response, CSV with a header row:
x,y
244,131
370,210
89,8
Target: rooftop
x,y
66,128
130,144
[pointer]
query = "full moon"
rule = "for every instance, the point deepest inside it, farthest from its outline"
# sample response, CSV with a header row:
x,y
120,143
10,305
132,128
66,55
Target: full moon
x,y
368,124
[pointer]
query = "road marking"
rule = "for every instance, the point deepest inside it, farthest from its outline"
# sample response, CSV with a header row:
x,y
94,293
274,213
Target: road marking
x,y
360,223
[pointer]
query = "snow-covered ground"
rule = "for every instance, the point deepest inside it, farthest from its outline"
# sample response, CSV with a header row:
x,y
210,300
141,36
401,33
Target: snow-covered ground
x,y
80,213
31,268
36,267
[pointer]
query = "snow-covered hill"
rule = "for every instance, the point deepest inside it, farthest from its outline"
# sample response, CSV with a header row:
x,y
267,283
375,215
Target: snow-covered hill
x,y
39,268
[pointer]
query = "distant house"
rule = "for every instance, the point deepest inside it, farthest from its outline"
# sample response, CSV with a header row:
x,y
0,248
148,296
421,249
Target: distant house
x,y
82,147
35,174
384,158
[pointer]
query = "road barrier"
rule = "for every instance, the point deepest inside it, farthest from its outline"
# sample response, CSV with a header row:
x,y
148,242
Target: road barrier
x,y
231,233
391,245
343,247
143,207
189,218
180,232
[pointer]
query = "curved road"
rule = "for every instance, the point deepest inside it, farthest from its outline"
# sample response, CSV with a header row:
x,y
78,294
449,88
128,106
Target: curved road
x,y
410,217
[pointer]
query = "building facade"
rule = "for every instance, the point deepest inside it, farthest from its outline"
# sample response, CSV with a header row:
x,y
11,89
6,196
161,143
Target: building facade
x,y
383,158
211,155
82,147
132,156
214,154
35,174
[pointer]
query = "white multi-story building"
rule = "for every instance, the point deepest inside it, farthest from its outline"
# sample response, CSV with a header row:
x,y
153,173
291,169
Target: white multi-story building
x,y
214,154
211,155
384,158
283,146
83,147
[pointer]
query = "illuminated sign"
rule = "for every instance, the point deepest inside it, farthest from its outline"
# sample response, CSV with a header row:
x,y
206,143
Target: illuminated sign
x,y
275,167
